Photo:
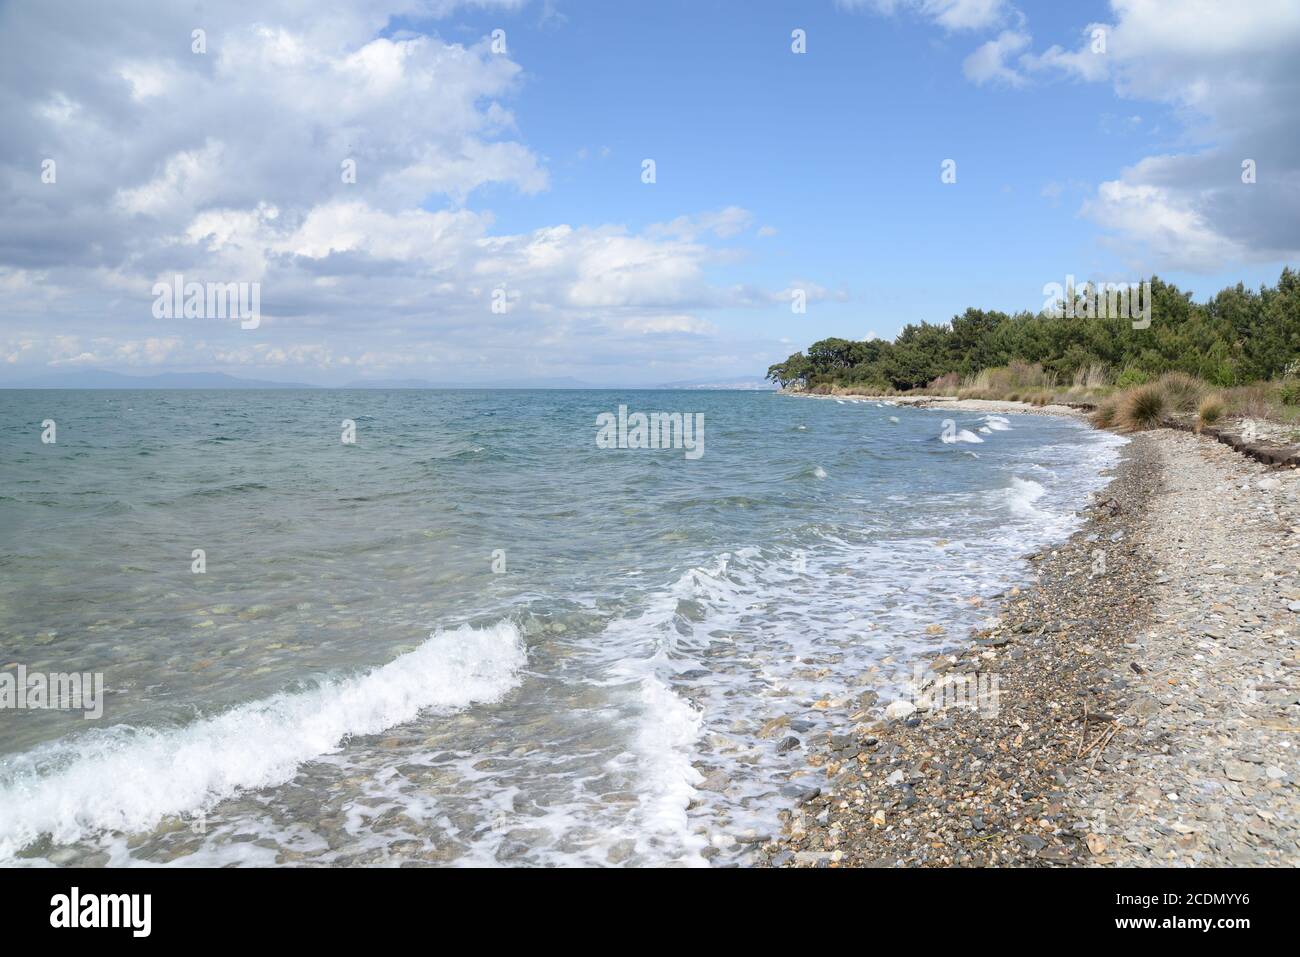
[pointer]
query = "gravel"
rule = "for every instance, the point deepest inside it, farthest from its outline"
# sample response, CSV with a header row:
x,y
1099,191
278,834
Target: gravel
x,y
1148,696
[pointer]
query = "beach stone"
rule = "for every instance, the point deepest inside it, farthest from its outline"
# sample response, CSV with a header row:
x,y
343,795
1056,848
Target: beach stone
x,y
800,793
898,710
1143,723
1240,771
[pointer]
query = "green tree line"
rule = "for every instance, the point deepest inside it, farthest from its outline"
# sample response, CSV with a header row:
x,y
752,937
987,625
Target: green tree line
x,y
1239,336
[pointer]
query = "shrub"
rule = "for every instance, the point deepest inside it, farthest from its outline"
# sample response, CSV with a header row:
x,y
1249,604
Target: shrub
x,y
1182,392
1107,412
1291,392
1143,407
1132,376
1210,411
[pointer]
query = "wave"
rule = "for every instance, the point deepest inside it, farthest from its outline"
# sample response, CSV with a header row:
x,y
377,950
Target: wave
x,y
665,742
129,779
1022,495
965,435
219,490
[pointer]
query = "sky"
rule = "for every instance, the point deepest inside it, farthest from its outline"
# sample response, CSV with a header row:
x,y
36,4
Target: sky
x,y
499,223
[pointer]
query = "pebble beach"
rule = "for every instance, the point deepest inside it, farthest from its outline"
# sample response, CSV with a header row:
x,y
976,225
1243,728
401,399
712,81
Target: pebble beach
x,y
1149,683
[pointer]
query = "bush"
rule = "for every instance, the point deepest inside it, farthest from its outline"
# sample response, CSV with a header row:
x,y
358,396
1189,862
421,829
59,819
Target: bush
x,y
1210,411
1107,412
1143,407
1132,376
1182,392
1290,393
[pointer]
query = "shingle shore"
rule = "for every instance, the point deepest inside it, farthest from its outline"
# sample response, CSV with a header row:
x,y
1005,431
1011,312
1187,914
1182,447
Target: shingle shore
x,y
1127,730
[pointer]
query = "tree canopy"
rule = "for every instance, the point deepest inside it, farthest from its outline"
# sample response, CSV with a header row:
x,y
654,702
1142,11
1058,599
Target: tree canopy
x,y
1238,336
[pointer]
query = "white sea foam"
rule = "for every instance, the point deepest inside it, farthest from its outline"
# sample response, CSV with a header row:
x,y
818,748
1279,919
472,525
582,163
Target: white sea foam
x,y
997,423
664,744
129,779
707,659
819,472
1022,495
965,435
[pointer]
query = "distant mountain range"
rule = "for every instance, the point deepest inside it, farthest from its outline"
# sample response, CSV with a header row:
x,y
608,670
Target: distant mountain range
x,y
557,383
735,385
103,379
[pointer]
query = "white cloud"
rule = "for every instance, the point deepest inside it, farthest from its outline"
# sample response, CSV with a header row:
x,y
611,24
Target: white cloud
x,y
1233,73
723,223
1160,228
688,325
227,167
185,181
950,14
988,63
1090,62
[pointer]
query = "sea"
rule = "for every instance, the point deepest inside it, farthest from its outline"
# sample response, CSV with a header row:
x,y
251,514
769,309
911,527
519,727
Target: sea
x,y
473,634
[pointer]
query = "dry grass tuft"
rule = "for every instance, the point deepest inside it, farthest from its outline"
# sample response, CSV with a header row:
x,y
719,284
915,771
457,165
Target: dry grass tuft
x,y
1106,415
1210,411
1143,407
1182,392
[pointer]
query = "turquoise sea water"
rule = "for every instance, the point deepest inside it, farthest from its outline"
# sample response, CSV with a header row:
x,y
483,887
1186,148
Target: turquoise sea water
x,y
473,636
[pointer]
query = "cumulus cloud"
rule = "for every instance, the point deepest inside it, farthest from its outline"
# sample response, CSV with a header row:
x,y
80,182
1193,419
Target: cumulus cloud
x,y
950,14
307,150
988,63
1089,62
1233,73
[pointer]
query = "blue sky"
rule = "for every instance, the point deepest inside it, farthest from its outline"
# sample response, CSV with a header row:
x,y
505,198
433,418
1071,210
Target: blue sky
x,y
775,171
839,149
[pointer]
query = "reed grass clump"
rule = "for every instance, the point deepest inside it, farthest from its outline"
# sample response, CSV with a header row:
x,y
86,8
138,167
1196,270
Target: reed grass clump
x,y
1210,411
1106,415
1143,407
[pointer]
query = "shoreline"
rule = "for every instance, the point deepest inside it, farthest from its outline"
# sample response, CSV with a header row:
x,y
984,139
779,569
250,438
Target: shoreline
x,y
948,402
1103,749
